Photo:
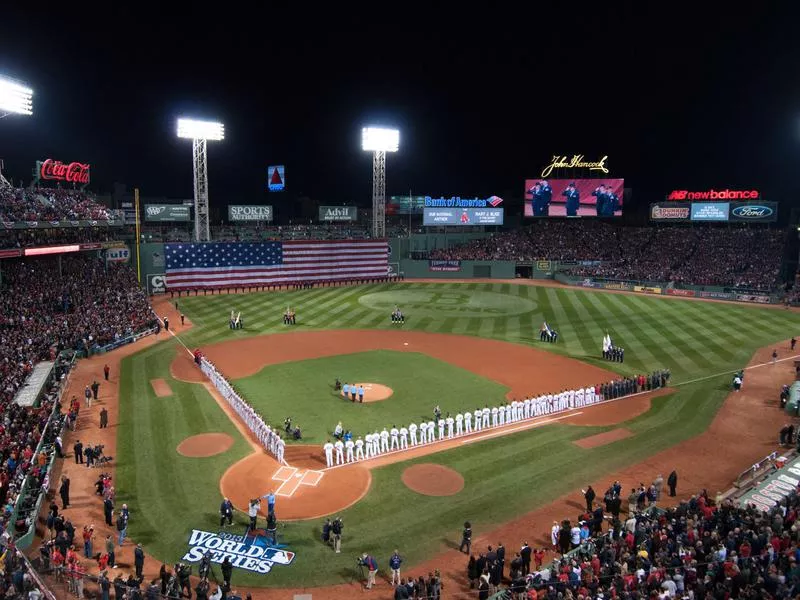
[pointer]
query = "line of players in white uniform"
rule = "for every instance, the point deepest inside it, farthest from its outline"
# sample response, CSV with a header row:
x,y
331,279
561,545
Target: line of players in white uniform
x,y
394,439
269,438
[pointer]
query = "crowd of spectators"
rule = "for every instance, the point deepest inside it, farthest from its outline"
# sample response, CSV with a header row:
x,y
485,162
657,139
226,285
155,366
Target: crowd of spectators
x,y
49,204
747,258
29,238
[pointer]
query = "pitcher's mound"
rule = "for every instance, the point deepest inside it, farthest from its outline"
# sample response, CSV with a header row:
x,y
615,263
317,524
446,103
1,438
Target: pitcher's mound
x,y
433,480
375,392
205,444
161,388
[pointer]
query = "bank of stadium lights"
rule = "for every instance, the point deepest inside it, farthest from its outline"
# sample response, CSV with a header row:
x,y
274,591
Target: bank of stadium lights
x,y
15,98
200,132
379,141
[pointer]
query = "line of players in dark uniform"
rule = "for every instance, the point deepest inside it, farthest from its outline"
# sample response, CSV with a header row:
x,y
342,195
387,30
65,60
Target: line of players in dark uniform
x,y
614,354
542,194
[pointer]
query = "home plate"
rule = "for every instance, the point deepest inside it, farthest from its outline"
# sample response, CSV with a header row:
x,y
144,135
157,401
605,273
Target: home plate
x,y
299,475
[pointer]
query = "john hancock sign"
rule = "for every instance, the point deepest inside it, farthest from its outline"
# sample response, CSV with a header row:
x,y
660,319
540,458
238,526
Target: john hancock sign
x,y
55,170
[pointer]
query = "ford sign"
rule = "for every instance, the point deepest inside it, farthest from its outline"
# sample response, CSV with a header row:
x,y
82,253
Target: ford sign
x,y
764,211
752,212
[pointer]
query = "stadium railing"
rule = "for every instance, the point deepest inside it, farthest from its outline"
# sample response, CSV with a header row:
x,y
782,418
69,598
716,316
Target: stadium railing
x,y
129,339
765,466
24,539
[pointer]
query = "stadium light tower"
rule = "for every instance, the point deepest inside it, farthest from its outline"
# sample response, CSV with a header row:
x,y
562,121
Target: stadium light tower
x,y
379,141
200,132
15,98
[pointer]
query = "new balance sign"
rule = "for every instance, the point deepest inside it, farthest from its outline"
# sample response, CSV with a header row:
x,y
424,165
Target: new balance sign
x,y
338,213
714,195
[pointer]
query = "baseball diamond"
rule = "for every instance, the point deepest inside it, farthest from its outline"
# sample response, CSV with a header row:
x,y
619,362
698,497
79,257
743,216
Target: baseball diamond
x,y
454,360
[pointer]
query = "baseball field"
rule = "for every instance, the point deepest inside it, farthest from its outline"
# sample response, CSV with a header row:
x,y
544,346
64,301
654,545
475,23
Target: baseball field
x,y
463,345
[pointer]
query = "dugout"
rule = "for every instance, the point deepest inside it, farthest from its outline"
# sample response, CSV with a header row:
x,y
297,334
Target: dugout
x,y
794,399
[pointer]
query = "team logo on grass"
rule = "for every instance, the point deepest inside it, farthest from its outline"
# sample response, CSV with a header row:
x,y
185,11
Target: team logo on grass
x,y
251,552
434,303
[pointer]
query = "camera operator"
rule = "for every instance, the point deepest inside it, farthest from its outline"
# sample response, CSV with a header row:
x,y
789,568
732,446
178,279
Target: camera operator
x,y
272,528
336,530
372,568
184,572
205,565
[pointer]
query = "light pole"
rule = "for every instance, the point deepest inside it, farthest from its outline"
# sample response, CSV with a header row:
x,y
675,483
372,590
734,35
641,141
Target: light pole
x,y
15,99
200,132
379,141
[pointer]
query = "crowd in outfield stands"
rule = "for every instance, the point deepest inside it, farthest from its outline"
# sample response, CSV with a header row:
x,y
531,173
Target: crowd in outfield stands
x,y
28,238
742,257
702,548
49,204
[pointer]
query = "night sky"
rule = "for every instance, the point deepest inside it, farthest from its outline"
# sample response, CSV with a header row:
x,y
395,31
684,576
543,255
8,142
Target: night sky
x,y
483,99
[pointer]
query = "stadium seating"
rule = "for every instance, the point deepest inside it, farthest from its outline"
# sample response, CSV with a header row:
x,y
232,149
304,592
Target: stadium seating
x,y
720,256
49,204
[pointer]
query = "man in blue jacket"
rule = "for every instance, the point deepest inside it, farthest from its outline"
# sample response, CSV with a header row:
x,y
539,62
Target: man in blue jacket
x,y
573,197
394,564
372,568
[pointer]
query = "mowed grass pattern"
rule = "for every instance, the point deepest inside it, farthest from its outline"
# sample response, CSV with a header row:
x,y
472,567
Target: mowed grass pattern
x,y
694,339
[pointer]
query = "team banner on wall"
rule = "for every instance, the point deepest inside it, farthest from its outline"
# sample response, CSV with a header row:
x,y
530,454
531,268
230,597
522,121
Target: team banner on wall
x,y
166,212
60,224
249,212
444,265
338,213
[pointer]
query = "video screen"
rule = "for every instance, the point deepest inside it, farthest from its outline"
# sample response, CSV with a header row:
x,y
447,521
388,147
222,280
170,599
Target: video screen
x,y
573,197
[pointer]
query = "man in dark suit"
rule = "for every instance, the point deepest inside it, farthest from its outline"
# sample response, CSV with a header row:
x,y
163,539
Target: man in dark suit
x,y
546,193
501,558
672,482
600,194
525,555
64,491
78,450
573,197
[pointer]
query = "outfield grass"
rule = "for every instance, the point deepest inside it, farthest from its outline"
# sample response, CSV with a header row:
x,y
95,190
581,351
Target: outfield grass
x,y
170,494
304,391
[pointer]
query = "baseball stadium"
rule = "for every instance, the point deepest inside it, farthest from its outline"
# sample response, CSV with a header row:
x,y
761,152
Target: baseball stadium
x,y
569,390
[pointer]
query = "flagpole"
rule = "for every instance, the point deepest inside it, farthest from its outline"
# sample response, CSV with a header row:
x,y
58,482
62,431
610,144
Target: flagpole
x,y
138,236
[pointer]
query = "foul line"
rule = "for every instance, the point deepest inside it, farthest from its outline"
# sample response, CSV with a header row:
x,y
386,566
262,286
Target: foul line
x,y
765,364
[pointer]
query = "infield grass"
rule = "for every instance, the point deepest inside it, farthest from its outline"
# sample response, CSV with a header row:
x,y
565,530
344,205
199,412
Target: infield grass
x,y
504,476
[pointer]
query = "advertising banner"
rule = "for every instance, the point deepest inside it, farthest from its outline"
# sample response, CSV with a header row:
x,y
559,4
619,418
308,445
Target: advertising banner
x,y
779,485
576,161
617,286
338,213
462,216
55,170
166,212
14,253
118,255
677,292
674,211
715,295
60,224
237,212
754,212
405,205
573,197
714,195
710,211
444,265
589,283
757,298
644,289
276,178
156,283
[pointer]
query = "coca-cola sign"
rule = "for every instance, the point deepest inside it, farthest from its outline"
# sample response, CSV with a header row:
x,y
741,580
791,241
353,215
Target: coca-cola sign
x,y
56,170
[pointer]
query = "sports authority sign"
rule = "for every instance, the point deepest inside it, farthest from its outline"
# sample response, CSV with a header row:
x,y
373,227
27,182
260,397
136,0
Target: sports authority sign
x,y
249,213
338,213
55,170
714,195
252,552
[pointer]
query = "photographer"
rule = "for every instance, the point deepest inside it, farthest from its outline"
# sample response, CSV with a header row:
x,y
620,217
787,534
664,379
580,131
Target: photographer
x,y
252,512
184,572
336,530
372,568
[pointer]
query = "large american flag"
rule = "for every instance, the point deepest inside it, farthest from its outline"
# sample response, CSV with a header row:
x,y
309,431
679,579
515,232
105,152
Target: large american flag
x,y
225,264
